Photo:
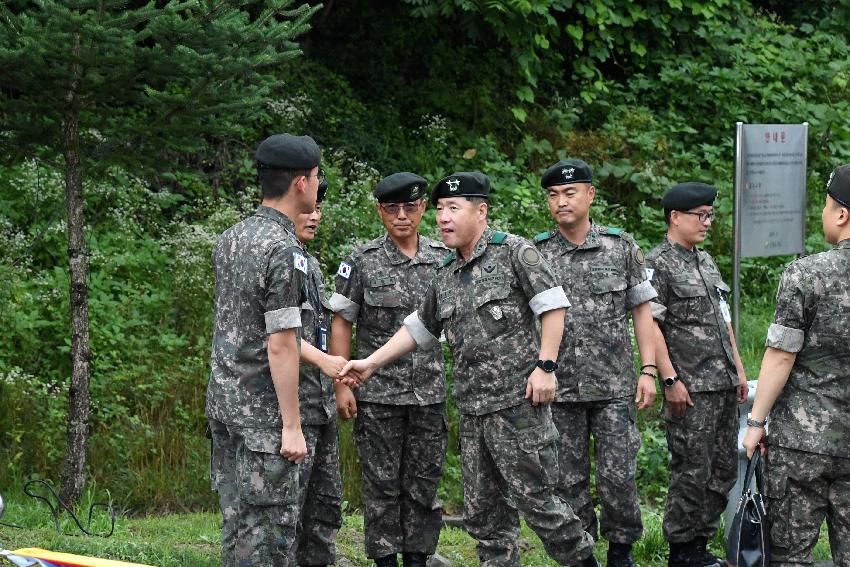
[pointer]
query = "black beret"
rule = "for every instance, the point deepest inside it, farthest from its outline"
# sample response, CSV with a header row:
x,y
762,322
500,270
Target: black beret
x,y
400,188
461,184
320,194
684,196
285,151
567,172
838,186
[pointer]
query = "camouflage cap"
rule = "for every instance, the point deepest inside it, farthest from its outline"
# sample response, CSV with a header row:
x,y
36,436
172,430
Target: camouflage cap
x,y
684,196
285,151
838,186
400,187
566,172
462,184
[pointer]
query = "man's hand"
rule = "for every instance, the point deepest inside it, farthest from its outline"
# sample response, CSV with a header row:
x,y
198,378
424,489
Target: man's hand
x,y
292,444
753,438
541,387
331,365
743,387
346,403
646,391
678,398
356,372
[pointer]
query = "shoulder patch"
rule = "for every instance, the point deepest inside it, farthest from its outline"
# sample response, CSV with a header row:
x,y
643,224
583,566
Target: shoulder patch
x,y
498,237
543,236
344,270
530,256
613,231
640,257
299,261
449,259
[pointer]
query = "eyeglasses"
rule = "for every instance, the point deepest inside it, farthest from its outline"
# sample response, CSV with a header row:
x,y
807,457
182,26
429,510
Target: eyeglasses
x,y
703,215
394,208
320,176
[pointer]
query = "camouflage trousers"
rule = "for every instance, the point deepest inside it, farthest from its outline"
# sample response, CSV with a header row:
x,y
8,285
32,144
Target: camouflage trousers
x,y
510,467
320,496
258,496
617,440
802,490
703,449
401,451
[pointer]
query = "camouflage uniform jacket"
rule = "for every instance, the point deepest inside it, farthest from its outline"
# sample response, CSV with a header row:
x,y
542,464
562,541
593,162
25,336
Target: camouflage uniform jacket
x,y
606,279
813,320
487,307
259,287
315,390
689,309
376,287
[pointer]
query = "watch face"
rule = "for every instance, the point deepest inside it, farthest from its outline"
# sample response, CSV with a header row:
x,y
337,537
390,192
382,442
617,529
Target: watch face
x,y
548,365
669,381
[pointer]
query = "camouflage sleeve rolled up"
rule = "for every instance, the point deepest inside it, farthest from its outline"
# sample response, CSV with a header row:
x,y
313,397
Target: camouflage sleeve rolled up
x,y
284,279
537,279
658,279
639,288
424,324
790,322
348,297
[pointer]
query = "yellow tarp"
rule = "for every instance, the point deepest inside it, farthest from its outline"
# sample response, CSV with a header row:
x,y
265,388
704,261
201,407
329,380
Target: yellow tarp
x,y
69,560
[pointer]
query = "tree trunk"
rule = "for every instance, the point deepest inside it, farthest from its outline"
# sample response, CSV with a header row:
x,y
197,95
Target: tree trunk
x,y
78,394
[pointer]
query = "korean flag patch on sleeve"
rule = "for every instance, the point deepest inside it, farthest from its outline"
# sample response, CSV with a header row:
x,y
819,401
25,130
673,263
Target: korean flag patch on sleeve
x,y
344,270
300,262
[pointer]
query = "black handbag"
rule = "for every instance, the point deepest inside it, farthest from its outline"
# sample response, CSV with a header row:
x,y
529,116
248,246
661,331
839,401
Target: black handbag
x,y
748,543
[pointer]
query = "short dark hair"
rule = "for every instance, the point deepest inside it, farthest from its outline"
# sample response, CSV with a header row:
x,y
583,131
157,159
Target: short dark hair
x,y
667,216
837,205
477,200
276,182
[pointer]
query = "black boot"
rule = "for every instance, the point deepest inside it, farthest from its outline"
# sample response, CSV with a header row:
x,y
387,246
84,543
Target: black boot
x,y
409,559
620,555
681,554
706,557
387,561
589,562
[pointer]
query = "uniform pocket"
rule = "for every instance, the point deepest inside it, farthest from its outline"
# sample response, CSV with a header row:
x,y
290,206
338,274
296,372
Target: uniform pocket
x,y
778,503
687,300
609,294
265,478
540,441
491,309
383,304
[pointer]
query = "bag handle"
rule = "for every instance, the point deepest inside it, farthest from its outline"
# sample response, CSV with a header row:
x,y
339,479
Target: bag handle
x,y
754,468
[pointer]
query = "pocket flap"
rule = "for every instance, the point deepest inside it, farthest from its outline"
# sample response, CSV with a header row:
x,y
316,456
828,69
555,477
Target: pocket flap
x,y
445,310
262,440
487,295
382,298
537,437
723,287
688,289
607,285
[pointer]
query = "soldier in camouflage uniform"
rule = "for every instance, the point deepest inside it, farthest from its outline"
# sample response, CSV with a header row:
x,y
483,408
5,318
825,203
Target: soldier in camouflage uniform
x,y
804,384
702,375
597,389
486,298
252,398
401,428
321,488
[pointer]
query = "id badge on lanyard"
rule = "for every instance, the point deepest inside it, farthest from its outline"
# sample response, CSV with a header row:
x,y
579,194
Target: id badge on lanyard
x,y
322,336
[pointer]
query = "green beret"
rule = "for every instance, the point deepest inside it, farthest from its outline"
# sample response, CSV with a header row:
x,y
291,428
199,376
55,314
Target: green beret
x,y
461,184
320,194
685,196
567,172
400,187
838,186
285,151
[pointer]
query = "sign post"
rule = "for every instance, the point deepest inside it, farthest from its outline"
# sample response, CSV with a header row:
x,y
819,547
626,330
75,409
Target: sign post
x,y
770,195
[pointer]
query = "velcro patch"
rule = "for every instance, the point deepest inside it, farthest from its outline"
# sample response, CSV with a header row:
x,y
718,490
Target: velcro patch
x,y
530,256
344,270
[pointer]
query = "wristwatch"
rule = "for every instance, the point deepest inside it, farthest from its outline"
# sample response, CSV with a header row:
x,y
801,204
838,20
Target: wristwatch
x,y
547,366
668,382
752,422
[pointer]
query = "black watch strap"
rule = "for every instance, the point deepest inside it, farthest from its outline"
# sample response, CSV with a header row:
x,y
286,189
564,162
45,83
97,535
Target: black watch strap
x,y
547,365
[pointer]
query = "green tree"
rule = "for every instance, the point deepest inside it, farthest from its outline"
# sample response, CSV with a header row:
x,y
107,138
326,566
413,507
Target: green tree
x,y
89,84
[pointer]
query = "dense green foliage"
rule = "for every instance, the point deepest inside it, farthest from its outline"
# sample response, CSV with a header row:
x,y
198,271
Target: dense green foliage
x,y
648,93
